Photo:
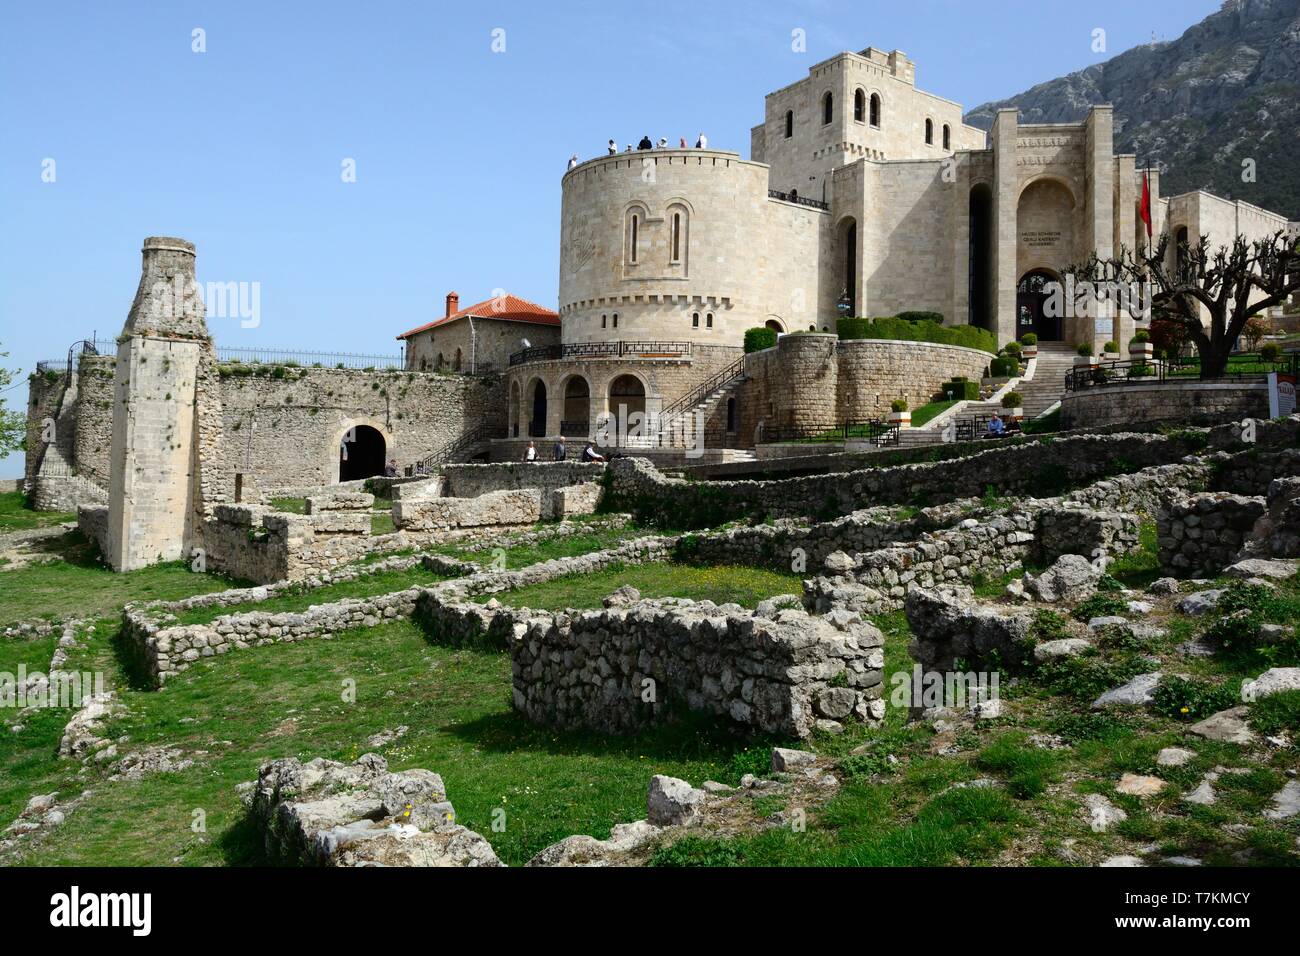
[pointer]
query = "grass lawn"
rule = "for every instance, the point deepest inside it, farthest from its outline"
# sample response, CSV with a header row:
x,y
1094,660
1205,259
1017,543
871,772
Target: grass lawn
x,y
16,516
929,412
80,585
721,584
563,546
240,710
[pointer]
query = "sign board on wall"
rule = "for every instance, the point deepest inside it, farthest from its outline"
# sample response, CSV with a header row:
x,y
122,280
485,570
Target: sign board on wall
x,y
1281,395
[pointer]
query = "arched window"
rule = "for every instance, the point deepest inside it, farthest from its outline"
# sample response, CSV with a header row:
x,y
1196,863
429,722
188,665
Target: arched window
x,y
677,237
859,106
604,319
708,321
615,320
789,123
828,109
441,362
695,320
875,110
929,132
947,136
636,224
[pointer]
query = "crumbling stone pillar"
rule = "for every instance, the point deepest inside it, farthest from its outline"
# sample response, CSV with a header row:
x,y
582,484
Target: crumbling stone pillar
x,y
153,463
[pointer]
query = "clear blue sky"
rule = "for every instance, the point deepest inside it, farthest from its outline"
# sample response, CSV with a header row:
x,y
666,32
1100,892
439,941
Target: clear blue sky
x,y
458,150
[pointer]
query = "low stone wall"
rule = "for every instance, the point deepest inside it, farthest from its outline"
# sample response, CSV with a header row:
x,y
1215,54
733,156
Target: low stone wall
x,y
1142,492
92,521
1202,534
1252,473
64,493
789,544
472,480
623,668
1028,468
1085,531
522,506
1200,403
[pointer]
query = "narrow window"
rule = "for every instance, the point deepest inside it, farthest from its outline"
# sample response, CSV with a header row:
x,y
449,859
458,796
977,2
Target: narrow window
x,y
828,109
929,132
677,237
603,319
695,320
636,222
615,320
875,110
947,136
859,106
789,123
708,320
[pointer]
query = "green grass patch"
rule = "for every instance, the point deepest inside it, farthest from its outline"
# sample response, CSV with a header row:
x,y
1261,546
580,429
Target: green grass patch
x,y
721,584
930,411
16,516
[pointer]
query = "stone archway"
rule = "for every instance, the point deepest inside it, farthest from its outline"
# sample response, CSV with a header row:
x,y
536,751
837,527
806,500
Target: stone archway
x,y
627,398
576,420
537,406
362,453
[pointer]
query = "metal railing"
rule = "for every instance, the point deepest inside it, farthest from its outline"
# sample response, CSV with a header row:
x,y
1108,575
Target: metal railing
x,y
308,359
800,200
589,350
1140,372
84,347
711,384
977,426
872,430
474,436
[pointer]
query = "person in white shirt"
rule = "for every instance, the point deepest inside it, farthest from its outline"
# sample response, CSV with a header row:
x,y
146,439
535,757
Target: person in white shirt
x,y
702,142
531,453
663,143
573,160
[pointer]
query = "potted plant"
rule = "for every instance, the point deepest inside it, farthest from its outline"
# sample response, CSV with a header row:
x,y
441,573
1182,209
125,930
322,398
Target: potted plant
x,y
1083,356
898,413
1140,348
1013,403
1110,351
1030,342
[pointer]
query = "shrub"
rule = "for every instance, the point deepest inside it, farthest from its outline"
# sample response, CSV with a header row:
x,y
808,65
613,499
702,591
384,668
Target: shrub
x,y
969,336
758,339
1099,605
1012,400
1011,348
1004,366
898,405
1271,352
1191,698
1140,337
1112,347
935,317
960,389
1029,338
1085,350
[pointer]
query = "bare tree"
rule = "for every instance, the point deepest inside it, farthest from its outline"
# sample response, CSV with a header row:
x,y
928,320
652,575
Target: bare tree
x,y
1232,285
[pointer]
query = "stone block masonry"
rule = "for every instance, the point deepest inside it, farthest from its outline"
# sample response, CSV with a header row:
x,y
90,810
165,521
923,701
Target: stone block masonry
x,y
622,669
1202,534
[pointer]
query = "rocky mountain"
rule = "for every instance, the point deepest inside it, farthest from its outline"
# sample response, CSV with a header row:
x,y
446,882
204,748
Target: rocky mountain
x,y
1227,90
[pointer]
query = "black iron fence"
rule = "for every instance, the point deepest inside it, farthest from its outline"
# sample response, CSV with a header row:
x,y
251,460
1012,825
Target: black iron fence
x,y
796,198
308,359
1140,371
588,350
977,426
872,430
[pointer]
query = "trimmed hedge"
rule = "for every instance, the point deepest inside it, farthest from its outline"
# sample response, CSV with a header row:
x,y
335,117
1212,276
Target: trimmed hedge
x,y
1004,366
758,339
969,336
961,390
935,317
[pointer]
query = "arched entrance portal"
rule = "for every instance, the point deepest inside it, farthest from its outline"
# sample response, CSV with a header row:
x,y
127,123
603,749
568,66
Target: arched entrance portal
x,y
848,297
537,424
627,407
361,453
577,408
775,326
1031,298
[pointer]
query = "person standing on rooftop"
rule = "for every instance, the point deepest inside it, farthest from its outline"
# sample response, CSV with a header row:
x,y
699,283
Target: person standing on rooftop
x,y
702,142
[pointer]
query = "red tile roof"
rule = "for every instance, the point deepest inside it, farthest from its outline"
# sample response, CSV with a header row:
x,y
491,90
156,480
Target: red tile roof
x,y
506,308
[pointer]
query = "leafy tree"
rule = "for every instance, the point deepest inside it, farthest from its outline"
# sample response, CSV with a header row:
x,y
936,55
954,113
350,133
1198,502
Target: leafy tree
x,y
1231,285
13,425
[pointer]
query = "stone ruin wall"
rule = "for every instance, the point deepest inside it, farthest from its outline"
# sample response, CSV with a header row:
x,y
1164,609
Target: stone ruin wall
x,y
1186,402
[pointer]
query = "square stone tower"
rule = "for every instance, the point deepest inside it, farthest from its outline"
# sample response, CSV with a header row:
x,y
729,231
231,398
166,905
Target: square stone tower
x,y
154,495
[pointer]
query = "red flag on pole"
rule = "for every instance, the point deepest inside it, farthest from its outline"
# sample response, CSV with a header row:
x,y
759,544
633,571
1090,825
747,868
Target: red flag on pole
x,y
1146,201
